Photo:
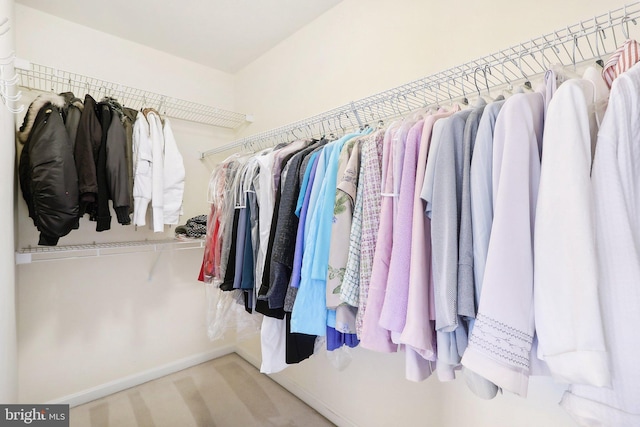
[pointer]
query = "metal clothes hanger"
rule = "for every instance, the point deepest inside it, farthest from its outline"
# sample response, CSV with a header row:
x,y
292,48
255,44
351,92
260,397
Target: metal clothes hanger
x,y
475,79
436,94
465,100
613,31
380,120
509,87
487,68
599,61
527,82
449,92
624,24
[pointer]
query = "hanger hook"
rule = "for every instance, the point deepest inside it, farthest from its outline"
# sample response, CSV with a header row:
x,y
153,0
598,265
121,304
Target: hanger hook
x,y
475,79
449,90
396,106
527,82
465,100
504,75
161,104
350,120
546,65
624,23
599,61
406,101
373,117
437,97
486,80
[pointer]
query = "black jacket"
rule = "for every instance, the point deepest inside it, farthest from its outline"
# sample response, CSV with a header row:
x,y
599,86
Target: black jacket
x,y
47,171
118,156
87,144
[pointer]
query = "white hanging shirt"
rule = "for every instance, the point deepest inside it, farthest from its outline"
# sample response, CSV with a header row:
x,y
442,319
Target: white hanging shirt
x,y
567,312
500,343
174,174
616,195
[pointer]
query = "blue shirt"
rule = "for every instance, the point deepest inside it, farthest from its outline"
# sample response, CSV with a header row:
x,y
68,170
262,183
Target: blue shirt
x,y
309,315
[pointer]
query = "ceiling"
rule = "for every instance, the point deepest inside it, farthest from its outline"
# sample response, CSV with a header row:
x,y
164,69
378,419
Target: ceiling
x,y
222,34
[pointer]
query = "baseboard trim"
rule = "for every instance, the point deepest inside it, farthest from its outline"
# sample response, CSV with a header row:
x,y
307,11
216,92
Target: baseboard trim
x,y
141,377
299,391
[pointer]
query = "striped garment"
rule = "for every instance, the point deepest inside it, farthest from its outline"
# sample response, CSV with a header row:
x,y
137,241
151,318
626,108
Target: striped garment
x,y
372,152
350,289
621,60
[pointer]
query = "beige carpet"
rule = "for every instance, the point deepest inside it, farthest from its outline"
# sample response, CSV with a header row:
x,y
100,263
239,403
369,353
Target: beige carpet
x,y
224,392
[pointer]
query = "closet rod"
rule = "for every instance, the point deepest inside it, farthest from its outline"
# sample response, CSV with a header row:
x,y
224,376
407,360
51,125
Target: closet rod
x,y
44,78
587,40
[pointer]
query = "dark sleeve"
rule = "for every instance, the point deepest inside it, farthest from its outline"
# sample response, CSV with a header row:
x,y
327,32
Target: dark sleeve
x,y
85,153
118,170
72,122
103,214
24,172
284,244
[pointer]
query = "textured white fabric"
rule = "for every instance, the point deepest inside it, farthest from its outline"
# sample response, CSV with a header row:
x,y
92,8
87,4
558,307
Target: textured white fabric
x,y
273,335
500,343
174,174
157,167
142,174
616,194
567,312
265,194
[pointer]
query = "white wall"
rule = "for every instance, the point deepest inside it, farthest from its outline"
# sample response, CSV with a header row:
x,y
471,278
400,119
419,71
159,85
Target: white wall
x,y
49,40
83,323
361,47
356,49
8,341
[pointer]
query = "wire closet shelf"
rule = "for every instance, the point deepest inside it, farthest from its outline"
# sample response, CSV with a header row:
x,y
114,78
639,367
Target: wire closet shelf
x,y
52,253
44,78
588,40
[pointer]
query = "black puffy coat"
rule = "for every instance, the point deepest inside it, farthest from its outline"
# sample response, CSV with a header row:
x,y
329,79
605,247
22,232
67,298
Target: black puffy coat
x,y
47,170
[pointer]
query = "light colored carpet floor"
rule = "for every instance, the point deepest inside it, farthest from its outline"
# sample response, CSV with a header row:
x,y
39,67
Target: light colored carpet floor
x,y
223,392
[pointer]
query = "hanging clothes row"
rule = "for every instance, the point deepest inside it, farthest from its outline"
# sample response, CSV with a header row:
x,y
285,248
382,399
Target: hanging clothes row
x,y
77,156
494,243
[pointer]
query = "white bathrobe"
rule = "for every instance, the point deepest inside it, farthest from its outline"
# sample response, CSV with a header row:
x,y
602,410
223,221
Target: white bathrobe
x,y
616,194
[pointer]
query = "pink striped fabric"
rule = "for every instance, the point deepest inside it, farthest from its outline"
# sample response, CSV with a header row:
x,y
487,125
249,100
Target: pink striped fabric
x,y
621,60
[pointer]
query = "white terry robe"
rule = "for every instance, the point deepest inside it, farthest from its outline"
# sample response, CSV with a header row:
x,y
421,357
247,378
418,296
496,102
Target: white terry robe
x,y
616,195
